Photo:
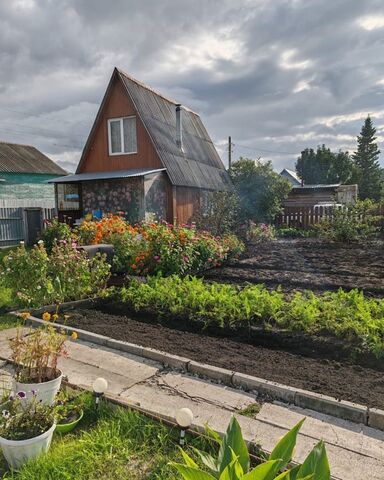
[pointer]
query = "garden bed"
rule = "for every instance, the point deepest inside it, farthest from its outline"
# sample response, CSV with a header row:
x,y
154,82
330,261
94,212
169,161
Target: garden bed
x,y
309,264
317,364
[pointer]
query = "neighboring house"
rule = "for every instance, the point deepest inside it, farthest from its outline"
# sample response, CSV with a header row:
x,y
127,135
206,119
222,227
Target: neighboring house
x,y
146,156
321,195
291,176
25,199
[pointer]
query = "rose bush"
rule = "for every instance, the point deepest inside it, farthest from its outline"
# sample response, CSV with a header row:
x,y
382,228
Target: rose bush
x,y
151,248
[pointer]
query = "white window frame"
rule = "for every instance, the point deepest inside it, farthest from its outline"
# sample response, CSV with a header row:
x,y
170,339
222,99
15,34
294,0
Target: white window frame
x,y
121,119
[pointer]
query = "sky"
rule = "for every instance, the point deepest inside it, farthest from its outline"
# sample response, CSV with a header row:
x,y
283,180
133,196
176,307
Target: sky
x,y
278,76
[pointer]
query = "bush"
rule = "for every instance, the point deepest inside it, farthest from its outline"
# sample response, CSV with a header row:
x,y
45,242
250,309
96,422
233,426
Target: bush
x,y
349,315
54,232
293,232
152,248
351,223
261,232
37,279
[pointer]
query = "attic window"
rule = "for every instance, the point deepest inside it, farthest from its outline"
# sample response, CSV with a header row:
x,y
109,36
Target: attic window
x,y
122,136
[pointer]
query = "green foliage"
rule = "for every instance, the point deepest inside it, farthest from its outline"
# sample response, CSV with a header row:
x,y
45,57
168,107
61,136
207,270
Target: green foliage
x,y
260,189
351,223
233,460
219,214
369,176
359,320
54,232
261,232
37,279
324,166
293,232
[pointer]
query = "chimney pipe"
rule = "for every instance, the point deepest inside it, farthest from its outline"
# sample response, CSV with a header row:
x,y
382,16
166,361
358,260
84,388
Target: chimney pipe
x,y
179,126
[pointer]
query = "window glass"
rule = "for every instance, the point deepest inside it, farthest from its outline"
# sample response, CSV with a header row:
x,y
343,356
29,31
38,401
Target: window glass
x,y
115,136
68,196
130,145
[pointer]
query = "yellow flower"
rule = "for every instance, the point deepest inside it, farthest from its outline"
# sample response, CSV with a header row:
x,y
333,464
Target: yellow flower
x,y
66,317
55,316
25,315
46,316
74,336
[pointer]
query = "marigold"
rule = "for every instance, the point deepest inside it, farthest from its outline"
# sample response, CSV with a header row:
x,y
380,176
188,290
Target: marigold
x,y
74,336
25,315
46,316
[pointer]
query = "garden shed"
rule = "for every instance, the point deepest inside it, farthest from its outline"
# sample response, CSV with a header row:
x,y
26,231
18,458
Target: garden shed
x,y
146,156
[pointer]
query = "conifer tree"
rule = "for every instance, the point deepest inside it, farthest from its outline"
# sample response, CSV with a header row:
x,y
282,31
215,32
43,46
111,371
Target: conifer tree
x,y
366,158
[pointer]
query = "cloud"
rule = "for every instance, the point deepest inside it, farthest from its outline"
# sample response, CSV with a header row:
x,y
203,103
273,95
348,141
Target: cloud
x,y
277,76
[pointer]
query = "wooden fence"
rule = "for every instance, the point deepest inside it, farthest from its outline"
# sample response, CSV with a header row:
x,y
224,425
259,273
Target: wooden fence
x,y
22,220
305,217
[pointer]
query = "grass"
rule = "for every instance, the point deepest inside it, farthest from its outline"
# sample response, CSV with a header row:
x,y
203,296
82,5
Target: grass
x,y
118,444
251,410
8,321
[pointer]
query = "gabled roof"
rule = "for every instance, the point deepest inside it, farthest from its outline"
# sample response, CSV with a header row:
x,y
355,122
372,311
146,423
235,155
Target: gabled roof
x,y
291,175
15,158
198,164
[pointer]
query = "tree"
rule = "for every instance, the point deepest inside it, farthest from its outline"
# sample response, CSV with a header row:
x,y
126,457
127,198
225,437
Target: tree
x,y
369,176
324,166
260,189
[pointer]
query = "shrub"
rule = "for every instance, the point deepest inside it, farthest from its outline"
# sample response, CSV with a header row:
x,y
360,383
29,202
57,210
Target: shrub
x,y
349,315
37,279
293,232
350,223
152,248
233,461
260,232
54,232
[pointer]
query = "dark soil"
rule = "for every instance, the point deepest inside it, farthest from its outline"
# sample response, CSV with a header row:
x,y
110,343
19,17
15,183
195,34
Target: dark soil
x,y
309,264
313,367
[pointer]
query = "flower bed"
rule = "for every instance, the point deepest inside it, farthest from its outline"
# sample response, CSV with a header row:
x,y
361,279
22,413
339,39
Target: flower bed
x,y
152,248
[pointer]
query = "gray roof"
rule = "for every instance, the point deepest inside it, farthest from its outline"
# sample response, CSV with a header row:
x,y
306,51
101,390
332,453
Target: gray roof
x,y
15,158
292,175
323,186
198,164
83,177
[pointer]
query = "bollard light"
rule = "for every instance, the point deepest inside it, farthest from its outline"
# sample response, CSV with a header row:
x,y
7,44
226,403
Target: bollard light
x,y
184,419
100,386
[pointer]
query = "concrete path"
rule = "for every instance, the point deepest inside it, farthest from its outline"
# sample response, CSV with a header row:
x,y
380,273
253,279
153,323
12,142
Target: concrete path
x,y
355,451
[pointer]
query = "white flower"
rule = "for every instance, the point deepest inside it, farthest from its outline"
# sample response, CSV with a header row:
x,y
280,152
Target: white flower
x,y
5,414
38,287
8,269
40,242
22,243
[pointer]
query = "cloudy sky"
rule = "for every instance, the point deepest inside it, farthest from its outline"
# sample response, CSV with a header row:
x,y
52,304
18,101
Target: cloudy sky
x,y
276,75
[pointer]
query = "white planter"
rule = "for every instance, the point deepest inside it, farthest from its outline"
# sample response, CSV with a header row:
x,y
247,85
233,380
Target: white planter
x,y
18,452
45,391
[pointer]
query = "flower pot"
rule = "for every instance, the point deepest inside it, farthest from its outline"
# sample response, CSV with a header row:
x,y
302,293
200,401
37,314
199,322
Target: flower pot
x,y
18,452
44,391
68,427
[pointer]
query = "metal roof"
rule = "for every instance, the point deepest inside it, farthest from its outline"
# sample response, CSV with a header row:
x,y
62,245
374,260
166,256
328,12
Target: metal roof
x,y
198,164
323,186
15,158
83,177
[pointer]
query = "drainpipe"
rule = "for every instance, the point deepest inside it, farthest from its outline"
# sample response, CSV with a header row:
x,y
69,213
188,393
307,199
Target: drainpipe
x,y
179,124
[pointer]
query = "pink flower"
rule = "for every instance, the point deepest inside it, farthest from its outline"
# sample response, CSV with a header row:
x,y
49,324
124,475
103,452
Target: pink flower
x,y
209,260
156,257
185,259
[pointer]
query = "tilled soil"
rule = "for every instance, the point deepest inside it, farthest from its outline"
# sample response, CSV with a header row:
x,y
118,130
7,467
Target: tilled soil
x,y
309,264
311,371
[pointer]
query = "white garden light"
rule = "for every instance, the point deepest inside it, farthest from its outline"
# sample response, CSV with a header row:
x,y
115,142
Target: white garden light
x,y
100,386
184,419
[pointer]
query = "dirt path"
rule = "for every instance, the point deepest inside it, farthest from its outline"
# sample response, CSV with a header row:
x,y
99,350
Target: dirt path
x,y
309,264
330,377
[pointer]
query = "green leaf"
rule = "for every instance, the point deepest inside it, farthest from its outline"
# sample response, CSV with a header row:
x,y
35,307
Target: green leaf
x,y
188,460
211,433
232,470
233,439
190,473
208,460
284,448
264,471
316,464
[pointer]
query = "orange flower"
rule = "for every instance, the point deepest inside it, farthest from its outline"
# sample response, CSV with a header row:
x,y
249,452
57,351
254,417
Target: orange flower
x,y
46,316
134,266
25,315
74,336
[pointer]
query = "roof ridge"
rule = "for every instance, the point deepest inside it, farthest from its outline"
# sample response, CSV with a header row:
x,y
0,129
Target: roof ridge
x,y
3,142
147,87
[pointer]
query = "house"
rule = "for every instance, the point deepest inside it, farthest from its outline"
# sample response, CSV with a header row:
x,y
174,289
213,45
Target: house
x,y
291,176
24,171
321,195
146,156
26,200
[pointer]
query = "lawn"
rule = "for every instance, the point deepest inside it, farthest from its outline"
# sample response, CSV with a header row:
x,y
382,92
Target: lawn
x,y
117,444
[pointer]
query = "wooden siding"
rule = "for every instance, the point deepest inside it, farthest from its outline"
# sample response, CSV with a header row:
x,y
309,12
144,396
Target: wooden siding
x,y
97,159
187,202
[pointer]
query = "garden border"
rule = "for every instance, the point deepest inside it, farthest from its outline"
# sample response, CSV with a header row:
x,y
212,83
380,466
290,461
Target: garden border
x,y
353,412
